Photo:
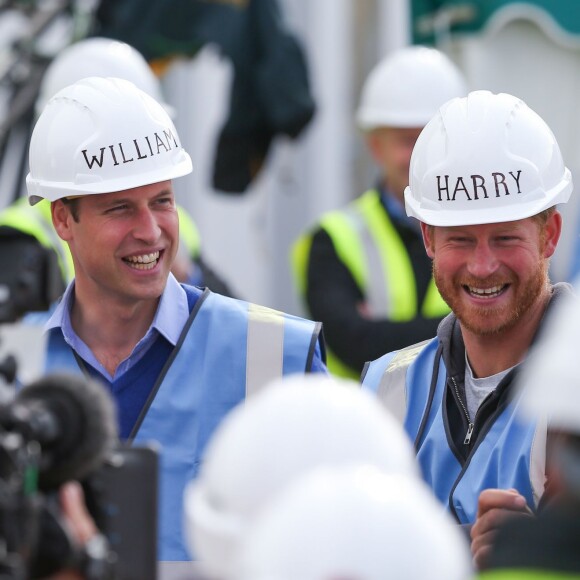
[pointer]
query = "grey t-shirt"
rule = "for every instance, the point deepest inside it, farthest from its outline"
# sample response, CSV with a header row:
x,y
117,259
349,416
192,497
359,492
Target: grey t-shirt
x,y
476,390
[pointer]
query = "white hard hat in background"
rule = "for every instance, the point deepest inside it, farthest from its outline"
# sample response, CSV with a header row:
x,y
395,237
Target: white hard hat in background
x,y
293,426
549,381
354,523
407,87
102,135
485,158
98,57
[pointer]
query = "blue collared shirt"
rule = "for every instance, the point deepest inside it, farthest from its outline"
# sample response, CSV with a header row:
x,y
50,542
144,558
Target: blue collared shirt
x,y
169,320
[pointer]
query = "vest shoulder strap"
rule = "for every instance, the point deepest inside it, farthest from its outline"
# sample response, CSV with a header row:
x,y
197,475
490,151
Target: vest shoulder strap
x,y
392,390
265,343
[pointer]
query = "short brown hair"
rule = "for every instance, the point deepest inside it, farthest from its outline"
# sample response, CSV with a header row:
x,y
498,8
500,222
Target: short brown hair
x,y
542,217
73,204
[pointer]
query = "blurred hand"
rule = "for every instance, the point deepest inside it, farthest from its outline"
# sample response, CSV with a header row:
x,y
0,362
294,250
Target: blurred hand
x,y
79,521
364,310
494,506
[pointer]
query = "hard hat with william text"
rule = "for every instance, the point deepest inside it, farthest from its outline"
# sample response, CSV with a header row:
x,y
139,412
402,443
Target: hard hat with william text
x,y
485,158
101,135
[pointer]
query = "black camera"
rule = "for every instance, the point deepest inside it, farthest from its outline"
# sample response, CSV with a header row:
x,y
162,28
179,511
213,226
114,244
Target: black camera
x,y
60,428
31,279
56,429
122,498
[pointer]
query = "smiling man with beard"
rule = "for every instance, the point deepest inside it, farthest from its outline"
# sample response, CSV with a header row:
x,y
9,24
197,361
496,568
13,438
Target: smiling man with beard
x,y
486,176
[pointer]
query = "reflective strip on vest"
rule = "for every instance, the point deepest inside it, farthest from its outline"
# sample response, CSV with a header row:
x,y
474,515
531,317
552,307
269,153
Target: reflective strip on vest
x,y
341,227
264,347
392,389
391,287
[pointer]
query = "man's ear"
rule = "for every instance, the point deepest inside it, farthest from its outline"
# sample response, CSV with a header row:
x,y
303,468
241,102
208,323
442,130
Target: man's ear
x,y
552,231
428,232
61,219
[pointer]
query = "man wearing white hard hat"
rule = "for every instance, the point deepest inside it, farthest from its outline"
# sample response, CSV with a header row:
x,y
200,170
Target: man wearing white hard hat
x,y
103,57
362,269
485,178
176,357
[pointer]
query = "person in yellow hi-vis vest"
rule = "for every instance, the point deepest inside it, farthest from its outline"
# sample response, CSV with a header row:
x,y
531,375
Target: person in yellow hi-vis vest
x,y
362,270
104,57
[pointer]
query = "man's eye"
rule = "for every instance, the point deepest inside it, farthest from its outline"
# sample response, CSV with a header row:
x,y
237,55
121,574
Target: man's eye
x,y
116,208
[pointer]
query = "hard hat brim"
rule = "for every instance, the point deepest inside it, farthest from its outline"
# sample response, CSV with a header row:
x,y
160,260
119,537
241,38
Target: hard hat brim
x,y
491,215
53,191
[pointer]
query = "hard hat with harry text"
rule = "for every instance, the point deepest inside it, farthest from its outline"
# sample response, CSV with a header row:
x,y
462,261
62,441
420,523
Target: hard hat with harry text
x,y
101,135
485,158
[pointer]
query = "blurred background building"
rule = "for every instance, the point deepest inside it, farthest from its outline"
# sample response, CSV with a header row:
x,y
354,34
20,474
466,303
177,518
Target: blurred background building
x,y
530,49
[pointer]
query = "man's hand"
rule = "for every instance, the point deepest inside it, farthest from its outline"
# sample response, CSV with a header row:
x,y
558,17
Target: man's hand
x,y
494,506
364,310
79,521
72,501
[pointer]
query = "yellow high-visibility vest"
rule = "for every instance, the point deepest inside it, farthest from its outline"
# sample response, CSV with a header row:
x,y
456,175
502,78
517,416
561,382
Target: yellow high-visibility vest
x,y
368,244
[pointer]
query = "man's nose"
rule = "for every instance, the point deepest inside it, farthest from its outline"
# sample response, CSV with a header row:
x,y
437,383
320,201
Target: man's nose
x,y
146,226
483,262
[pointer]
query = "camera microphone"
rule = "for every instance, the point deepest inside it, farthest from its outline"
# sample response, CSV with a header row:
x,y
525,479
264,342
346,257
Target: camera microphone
x,y
73,419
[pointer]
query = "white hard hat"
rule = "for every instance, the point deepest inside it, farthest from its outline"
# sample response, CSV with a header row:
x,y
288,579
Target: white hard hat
x,y
291,427
102,135
549,379
98,57
485,158
354,523
407,87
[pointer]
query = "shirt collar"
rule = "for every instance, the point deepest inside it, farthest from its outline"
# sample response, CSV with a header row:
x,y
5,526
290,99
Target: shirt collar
x,y
172,312
169,319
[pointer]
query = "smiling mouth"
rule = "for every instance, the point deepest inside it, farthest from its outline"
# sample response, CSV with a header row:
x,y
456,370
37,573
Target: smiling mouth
x,y
486,293
143,261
